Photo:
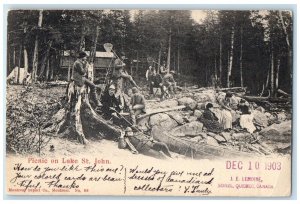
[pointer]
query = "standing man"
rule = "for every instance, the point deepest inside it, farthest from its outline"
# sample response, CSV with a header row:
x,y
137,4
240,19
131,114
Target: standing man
x,y
138,105
149,75
80,76
120,74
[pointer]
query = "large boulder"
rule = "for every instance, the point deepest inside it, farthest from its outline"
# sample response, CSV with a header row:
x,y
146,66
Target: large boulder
x,y
260,118
278,132
205,96
211,141
177,116
168,104
189,103
143,124
162,120
189,129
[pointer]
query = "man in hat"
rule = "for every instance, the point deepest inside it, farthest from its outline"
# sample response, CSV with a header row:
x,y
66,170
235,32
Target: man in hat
x,y
80,76
149,75
138,104
169,83
110,102
139,142
163,69
121,74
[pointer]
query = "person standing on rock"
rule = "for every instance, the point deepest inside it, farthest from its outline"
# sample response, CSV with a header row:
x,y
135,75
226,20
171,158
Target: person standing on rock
x,y
141,143
138,105
80,76
149,75
120,74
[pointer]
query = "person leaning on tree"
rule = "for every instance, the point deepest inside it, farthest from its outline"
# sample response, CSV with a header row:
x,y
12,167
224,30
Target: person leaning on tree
x,y
80,76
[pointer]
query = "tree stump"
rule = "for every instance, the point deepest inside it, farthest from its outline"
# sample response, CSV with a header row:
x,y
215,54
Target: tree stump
x,y
81,120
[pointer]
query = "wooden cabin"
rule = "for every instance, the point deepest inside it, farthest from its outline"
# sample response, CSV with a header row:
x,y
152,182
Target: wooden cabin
x,y
103,60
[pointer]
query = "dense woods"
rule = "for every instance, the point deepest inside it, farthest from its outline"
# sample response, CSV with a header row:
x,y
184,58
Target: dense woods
x,y
250,49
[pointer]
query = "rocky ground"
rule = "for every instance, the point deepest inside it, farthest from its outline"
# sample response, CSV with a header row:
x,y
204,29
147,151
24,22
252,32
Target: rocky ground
x,y
30,110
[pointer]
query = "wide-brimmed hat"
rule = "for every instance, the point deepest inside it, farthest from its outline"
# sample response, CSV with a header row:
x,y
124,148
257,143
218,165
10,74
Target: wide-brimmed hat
x,y
82,54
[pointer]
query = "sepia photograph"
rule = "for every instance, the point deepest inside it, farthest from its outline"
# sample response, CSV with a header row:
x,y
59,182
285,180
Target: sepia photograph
x,y
149,102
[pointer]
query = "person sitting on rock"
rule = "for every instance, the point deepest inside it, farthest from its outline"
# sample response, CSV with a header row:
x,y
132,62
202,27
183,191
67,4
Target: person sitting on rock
x,y
209,120
169,83
110,104
246,119
156,82
141,143
138,105
230,102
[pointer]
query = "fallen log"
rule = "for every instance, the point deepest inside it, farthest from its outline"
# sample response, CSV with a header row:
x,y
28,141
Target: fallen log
x,y
234,89
161,110
283,93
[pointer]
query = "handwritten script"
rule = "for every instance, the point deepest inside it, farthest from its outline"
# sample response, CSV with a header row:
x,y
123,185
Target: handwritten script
x,y
84,177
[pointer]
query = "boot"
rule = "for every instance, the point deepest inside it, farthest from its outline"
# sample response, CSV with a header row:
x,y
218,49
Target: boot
x,y
94,98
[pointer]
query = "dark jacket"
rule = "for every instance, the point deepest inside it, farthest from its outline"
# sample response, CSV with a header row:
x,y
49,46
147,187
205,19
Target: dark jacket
x,y
157,79
109,102
79,71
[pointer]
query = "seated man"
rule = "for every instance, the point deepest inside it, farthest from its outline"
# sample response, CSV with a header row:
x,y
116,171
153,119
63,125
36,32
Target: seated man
x,y
139,142
110,103
156,82
80,76
169,83
138,104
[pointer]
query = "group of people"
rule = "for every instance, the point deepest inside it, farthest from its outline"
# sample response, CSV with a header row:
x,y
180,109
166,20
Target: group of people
x,y
232,109
114,100
161,79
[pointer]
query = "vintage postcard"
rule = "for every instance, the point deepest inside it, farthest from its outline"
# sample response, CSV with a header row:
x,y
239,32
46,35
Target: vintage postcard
x,y
149,102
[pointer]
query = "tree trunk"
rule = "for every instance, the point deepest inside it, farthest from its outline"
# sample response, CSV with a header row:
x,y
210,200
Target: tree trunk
x,y
159,57
69,68
230,57
137,63
36,46
215,72
178,57
45,58
272,74
82,40
169,52
47,70
94,48
19,64
25,60
220,63
277,73
51,62
241,58
14,57
288,44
